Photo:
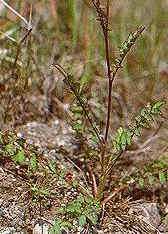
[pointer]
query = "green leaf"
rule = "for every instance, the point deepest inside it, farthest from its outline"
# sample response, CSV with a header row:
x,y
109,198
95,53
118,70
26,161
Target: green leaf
x,y
33,162
148,117
56,227
137,132
139,118
76,109
162,177
77,116
129,134
143,112
65,224
62,210
82,220
0,139
88,200
141,182
123,141
118,139
52,166
35,189
97,206
70,77
74,207
19,157
158,105
10,148
120,131
39,191
44,192
85,79
149,107
117,61
92,216
61,175
160,164
146,114
94,138
151,180
15,33
77,127
145,125
155,109
130,37
118,147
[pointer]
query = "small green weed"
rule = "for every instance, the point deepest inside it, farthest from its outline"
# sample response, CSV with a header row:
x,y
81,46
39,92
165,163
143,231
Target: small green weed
x,y
59,225
154,173
82,209
123,137
15,147
106,155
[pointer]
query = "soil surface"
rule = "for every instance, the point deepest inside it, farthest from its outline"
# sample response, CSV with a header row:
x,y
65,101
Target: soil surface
x,y
24,211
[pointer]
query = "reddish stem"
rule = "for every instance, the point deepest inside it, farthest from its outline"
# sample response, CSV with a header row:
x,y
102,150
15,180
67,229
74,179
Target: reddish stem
x,y
108,70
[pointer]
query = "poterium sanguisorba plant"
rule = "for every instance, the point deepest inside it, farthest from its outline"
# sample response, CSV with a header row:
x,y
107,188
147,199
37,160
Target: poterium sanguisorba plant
x,y
107,160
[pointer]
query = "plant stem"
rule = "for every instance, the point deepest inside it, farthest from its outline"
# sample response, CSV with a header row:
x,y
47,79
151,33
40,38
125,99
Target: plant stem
x,y
101,186
106,34
57,66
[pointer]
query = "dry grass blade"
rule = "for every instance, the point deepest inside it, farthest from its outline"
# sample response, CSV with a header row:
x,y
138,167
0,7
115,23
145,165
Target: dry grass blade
x,y
28,24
